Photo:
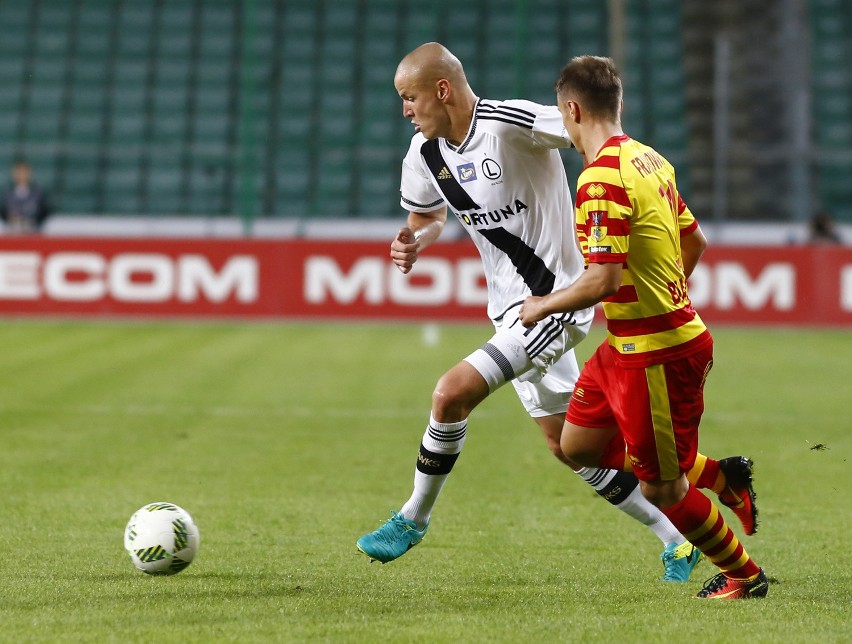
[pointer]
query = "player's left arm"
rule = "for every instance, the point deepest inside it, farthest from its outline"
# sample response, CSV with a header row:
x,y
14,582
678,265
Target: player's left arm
x,y
598,282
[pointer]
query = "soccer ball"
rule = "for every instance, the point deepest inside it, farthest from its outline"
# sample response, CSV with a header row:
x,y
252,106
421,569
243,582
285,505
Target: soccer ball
x,y
161,538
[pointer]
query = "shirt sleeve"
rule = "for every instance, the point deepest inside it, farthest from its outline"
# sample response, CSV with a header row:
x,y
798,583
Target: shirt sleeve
x,y
548,129
540,125
602,220
417,191
686,222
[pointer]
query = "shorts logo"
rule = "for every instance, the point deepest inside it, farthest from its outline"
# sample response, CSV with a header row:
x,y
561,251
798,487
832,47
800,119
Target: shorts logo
x,y
467,172
627,348
577,397
491,169
595,191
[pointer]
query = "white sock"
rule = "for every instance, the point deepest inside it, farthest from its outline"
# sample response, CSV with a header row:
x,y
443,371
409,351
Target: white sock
x,y
439,449
621,489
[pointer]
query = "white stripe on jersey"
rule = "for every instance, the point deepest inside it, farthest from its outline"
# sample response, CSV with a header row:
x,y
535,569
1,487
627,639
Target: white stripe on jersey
x,y
509,167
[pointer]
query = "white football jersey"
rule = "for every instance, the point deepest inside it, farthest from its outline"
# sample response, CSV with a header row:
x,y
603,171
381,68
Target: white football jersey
x,y
507,186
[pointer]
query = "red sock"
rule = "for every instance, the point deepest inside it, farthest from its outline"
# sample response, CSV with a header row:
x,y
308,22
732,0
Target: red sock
x,y
700,522
706,474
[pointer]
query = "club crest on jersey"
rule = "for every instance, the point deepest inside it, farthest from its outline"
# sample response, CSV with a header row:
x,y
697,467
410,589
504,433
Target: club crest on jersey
x,y
598,230
467,172
492,169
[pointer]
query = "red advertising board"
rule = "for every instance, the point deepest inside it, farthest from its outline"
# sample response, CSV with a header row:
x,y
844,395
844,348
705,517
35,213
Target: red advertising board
x,y
309,279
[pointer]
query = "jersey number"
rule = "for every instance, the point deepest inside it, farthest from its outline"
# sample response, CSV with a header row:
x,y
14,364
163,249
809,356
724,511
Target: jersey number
x,y
669,193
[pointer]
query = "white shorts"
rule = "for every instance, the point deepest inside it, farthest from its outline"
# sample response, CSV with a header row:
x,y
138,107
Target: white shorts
x,y
539,361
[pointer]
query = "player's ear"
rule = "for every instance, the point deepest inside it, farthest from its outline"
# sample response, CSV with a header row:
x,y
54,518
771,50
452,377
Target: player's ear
x,y
444,89
574,110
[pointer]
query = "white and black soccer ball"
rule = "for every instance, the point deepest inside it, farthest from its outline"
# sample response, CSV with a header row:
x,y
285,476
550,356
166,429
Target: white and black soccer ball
x,y
161,538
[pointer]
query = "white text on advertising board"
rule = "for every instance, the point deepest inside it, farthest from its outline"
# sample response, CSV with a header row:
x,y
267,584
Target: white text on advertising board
x,y
435,281
723,285
726,285
127,277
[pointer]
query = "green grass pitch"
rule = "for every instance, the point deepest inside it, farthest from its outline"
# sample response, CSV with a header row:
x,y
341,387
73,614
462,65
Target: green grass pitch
x,y
288,441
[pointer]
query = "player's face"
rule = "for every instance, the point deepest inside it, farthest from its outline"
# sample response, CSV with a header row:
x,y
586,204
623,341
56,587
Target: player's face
x,y
422,106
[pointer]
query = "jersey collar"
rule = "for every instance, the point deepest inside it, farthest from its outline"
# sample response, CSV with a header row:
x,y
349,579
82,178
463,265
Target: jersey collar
x,y
616,140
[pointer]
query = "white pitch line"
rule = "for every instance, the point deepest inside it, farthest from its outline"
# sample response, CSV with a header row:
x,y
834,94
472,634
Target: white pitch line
x,y
163,409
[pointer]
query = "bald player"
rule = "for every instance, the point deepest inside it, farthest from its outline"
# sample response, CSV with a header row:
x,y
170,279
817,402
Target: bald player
x,y
495,164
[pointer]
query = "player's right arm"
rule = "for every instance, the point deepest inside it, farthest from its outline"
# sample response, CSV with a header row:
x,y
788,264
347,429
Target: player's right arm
x,y
427,210
423,228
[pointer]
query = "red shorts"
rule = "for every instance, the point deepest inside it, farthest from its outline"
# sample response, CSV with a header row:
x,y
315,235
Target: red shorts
x,y
657,408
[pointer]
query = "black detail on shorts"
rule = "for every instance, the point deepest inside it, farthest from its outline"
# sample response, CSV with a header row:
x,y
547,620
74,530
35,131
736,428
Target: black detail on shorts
x,y
452,190
435,464
501,361
546,332
567,318
507,309
528,265
619,488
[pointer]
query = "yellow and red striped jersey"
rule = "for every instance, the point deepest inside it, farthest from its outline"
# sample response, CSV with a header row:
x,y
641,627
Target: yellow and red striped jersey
x,y
629,212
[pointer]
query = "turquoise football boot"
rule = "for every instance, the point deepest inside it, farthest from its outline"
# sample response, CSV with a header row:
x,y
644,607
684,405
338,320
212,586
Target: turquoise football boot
x,y
679,561
392,540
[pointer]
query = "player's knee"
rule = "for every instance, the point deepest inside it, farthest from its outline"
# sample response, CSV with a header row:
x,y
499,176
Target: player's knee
x,y
458,391
450,403
578,455
664,494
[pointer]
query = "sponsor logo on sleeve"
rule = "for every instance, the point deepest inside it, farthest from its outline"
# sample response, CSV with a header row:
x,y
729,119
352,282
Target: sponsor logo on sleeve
x,y
467,172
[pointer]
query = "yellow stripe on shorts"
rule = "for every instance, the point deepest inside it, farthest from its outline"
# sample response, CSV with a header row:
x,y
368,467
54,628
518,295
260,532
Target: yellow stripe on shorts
x,y
661,416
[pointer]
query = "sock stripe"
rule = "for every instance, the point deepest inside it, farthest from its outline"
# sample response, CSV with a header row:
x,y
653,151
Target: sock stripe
x,y
447,436
712,537
737,563
694,475
702,529
596,477
724,547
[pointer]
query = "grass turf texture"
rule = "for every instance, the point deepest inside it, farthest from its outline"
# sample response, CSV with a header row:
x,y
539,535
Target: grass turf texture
x,y
287,442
